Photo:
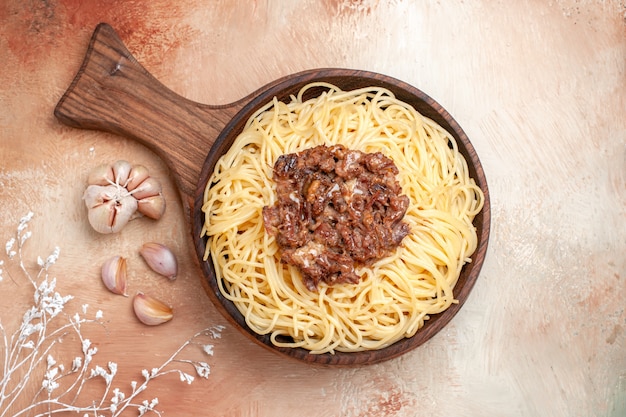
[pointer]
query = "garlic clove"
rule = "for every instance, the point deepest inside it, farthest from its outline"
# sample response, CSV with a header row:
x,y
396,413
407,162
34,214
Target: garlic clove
x,y
125,209
121,171
101,175
160,259
101,218
137,175
148,188
152,207
96,195
114,275
151,311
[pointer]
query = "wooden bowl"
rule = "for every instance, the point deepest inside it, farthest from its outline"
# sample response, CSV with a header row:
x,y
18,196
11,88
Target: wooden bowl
x,y
113,92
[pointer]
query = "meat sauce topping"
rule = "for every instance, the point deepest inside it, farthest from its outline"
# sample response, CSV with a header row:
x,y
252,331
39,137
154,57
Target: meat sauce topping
x,y
336,209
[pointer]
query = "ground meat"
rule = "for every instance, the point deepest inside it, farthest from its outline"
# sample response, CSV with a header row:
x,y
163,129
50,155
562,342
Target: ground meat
x,y
336,209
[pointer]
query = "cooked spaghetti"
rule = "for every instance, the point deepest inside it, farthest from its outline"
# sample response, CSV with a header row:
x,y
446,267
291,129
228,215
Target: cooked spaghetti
x,y
396,294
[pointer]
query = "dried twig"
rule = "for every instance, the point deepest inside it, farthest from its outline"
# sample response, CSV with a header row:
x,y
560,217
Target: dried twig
x,y
31,348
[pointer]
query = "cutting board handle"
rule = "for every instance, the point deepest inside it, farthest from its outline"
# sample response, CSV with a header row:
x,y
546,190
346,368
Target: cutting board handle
x,y
112,92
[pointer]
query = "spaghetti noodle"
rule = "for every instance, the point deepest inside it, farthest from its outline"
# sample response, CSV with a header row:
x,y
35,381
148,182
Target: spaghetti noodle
x,y
396,294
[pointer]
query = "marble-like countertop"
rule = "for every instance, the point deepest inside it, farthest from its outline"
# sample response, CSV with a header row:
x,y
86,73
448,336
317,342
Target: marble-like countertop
x,y
538,86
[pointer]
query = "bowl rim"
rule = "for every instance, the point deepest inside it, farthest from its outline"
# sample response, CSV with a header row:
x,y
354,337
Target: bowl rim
x,y
427,107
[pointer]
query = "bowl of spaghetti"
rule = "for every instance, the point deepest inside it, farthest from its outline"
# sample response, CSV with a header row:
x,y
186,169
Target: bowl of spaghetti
x,y
342,218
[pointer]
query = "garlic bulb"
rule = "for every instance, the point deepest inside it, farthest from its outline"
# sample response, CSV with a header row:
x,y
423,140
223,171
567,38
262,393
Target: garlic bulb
x,y
117,191
108,209
151,311
160,259
114,275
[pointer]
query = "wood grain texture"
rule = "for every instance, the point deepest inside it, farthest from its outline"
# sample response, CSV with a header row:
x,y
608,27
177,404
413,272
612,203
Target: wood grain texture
x,y
114,93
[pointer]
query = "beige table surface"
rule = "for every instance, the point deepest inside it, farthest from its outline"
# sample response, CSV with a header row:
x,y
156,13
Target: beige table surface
x,y
540,89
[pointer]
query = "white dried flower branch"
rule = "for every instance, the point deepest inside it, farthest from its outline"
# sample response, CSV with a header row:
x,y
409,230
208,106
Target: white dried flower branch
x,y
28,353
